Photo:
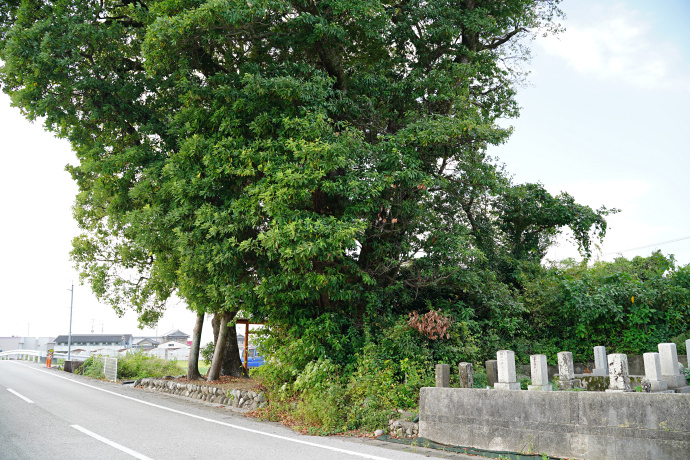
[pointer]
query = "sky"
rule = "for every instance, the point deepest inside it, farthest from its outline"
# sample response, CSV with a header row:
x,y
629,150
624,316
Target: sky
x,y
604,117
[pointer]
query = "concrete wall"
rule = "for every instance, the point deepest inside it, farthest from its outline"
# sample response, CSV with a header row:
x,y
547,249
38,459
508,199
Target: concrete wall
x,y
571,424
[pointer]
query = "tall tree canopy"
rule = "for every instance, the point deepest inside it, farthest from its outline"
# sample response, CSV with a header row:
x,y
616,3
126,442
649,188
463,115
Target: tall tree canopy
x,y
292,159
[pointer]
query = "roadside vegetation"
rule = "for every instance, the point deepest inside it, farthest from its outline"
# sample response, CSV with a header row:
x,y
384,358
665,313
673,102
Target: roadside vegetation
x,y
132,366
323,382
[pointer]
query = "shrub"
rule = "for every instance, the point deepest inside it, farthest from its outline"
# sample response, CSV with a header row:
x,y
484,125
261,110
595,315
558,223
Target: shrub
x,y
207,352
92,367
137,365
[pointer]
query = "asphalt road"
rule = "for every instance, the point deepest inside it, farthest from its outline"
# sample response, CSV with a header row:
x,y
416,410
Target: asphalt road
x,y
50,414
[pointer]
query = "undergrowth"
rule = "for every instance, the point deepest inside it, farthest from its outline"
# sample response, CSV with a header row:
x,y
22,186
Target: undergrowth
x,y
133,365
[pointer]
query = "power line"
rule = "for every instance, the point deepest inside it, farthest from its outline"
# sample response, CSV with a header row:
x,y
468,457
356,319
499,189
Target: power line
x,y
650,245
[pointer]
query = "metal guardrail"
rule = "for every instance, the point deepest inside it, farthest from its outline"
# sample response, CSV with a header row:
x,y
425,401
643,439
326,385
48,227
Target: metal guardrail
x,y
34,355
26,355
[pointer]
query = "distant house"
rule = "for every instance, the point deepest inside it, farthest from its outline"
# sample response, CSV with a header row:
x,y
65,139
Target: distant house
x,y
176,336
94,342
171,350
145,343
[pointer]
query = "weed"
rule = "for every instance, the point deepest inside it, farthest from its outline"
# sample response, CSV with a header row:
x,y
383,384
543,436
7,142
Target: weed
x,y
92,367
137,365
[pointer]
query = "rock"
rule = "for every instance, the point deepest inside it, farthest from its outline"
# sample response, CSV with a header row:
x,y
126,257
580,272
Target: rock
x,y
406,414
262,405
261,397
378,433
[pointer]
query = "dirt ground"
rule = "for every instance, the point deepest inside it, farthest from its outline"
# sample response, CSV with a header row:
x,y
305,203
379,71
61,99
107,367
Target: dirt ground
x,y
228,383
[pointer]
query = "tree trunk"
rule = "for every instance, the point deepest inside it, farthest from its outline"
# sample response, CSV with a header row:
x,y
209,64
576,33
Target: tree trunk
x,y
215,325
193,363
232,363
219,352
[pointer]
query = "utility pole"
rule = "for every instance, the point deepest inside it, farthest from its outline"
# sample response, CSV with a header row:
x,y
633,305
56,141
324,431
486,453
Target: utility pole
x,y
69,338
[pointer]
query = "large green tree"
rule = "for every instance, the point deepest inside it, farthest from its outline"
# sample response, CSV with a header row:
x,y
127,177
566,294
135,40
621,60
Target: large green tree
x,y
297,160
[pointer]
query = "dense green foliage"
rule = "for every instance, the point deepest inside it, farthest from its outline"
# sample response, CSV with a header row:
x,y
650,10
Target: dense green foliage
x,y
628,306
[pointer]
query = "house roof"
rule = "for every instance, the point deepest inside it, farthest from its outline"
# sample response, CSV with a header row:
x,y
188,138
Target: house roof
x,y
94,338
177,333
153,341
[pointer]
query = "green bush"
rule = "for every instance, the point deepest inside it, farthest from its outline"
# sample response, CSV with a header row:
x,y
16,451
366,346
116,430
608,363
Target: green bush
x,y
92,367
207,352
137,365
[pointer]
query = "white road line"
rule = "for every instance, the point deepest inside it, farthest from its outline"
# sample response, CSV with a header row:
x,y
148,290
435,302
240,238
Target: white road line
x,y
217,422
17,394
112,443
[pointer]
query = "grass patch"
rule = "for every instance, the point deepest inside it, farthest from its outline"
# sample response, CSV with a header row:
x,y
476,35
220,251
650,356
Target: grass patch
x,y
139,365
203,366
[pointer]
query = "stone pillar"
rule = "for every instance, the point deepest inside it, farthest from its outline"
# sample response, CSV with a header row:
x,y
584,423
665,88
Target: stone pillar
x,y
539,373
600,362
506,371
491,372
566,372
619,378
669,368
442,376
687,351
653,382
466,375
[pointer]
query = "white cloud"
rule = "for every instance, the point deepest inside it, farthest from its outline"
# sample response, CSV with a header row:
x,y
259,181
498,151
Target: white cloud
x,y
616,43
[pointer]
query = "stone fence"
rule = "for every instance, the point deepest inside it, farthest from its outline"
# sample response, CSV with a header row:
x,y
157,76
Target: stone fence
x,y
662,372
618,423
567,424
239,399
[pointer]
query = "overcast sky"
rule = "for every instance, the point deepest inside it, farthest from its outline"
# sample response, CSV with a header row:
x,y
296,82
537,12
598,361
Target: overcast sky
x,y
605,118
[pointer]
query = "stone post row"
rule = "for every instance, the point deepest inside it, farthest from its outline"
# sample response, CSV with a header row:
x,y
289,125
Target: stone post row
x,y
653,382
669,368
442,376
619,378
506,371
539,373
600,362
466,375
566,372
